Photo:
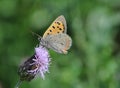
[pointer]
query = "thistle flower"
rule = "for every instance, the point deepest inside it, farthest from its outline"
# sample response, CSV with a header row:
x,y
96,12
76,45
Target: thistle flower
x,y
42,60
37,64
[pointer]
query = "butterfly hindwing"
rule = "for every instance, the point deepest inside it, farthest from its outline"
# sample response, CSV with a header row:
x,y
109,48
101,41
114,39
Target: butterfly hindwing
x,y
59,42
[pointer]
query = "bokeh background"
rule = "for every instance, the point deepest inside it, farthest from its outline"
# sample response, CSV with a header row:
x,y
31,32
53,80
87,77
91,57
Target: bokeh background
x,y
94,58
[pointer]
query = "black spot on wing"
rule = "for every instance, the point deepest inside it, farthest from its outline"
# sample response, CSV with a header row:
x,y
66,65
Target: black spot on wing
x,y
60,28
53,27
58,23
50,30
61,43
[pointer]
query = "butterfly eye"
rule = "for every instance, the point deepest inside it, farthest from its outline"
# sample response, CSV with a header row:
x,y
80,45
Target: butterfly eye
x,y
39,38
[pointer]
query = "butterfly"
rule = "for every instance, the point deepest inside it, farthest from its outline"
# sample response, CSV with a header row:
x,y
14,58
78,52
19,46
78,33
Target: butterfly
x,y
56,37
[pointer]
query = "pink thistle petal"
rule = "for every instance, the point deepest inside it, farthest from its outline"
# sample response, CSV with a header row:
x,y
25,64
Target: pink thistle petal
x,y
42,59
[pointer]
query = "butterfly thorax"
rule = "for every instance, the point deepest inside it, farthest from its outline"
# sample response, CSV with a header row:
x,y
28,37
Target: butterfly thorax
x,y
44,43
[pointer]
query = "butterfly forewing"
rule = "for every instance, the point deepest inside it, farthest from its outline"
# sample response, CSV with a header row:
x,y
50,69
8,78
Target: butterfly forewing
x,y
58,26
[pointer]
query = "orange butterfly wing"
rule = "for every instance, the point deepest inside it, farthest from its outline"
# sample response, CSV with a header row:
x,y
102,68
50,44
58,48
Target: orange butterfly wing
x,y
58,26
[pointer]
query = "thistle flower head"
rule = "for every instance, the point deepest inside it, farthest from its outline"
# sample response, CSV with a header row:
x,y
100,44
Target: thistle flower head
x,y
37,64
42,60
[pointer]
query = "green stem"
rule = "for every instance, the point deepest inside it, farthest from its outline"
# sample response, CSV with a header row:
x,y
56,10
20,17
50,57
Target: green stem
x,y
18,84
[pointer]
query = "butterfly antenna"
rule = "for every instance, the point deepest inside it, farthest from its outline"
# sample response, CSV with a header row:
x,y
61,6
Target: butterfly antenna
x,y
18,84
36,34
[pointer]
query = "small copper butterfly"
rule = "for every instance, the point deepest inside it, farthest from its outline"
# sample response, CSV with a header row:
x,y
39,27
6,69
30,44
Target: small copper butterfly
x,y
55,37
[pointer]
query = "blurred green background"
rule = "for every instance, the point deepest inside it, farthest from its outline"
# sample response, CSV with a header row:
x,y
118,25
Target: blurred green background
x,y
94,58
